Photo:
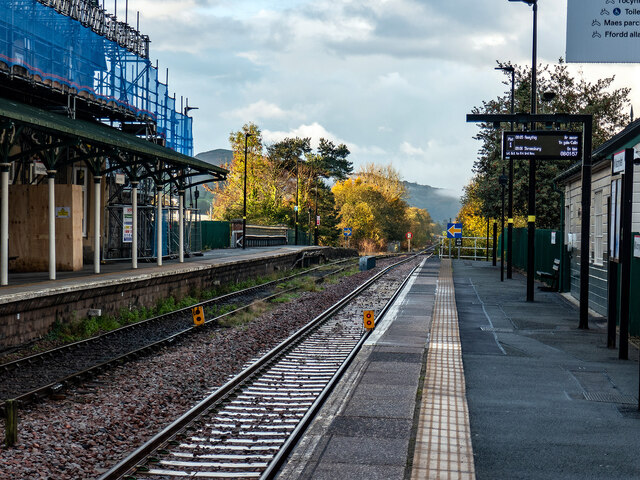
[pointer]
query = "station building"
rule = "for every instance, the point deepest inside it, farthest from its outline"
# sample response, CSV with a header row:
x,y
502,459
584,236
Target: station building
x,y
601,226
95,154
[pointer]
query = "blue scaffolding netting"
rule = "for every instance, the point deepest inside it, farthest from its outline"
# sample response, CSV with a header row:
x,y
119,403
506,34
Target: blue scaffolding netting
x,y
57,49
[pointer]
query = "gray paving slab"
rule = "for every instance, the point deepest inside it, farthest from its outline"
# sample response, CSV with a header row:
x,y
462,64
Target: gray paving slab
x,y
346,426
527,370
366,451
341,471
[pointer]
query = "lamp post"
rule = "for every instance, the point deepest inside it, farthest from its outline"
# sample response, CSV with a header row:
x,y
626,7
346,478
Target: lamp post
x,y
295,212
512,71
531,220
503,179
244,207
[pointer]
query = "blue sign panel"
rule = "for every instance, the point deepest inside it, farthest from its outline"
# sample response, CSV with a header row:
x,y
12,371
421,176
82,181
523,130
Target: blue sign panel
x,y
348,231
454,230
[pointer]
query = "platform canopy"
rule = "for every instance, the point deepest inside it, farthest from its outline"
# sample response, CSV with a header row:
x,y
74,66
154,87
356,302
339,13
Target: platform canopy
x,y
51,136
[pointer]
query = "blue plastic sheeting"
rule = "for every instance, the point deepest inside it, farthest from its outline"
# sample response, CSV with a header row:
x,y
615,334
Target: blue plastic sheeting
x,y
60,50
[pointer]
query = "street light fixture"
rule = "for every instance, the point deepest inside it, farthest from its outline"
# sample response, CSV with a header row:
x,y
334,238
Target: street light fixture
x,y
510,69
244,208
531,220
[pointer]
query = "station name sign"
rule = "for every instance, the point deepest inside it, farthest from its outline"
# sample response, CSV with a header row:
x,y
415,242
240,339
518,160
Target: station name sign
x,y
552,145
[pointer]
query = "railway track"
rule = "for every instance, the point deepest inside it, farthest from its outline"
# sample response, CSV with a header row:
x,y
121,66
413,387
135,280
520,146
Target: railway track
x,y
28,379
246,428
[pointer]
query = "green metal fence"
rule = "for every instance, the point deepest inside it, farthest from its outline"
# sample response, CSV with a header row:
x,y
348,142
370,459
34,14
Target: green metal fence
x,y
304,238
548,247
215,234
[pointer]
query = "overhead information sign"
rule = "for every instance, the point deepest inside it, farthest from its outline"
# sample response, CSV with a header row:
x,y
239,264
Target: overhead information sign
x,y
603,31
552,145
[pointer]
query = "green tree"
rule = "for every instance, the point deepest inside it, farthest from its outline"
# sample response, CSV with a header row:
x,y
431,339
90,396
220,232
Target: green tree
x,y
373,205
266,184
573,95
421,226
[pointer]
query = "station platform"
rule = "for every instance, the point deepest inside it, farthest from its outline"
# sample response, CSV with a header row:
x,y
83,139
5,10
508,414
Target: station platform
x,y
465,379
31,302
33,283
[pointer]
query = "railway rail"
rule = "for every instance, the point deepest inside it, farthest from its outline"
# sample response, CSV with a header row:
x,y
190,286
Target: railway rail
x,y
27,379
246,428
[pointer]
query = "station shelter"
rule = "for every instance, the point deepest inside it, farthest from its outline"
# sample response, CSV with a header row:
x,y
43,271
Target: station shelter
x,y
95,154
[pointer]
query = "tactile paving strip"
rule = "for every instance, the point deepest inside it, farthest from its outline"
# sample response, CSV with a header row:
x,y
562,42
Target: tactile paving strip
x,y
443,448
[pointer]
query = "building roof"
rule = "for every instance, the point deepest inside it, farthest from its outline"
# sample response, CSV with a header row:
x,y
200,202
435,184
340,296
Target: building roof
x,y
98,134
630,135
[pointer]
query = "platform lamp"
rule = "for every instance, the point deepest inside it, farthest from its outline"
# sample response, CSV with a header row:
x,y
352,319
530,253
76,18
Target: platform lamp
x,y
244,207
512,71
502,180
531,220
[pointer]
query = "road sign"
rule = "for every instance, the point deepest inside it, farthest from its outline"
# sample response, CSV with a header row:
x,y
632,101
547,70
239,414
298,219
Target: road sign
x,y
348,231
458,242
198,315
551,145
454,230
369,321
409,235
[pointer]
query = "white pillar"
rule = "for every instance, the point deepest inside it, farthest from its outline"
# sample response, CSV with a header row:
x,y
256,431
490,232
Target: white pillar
x,y
181,225
96,223
4,224
51,174
134,240
159,224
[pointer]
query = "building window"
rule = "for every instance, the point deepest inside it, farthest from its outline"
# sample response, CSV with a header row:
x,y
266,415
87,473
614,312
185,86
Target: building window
x,y
598,225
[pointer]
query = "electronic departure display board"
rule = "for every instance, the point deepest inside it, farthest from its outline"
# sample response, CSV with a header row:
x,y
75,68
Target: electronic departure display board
x,y
551,145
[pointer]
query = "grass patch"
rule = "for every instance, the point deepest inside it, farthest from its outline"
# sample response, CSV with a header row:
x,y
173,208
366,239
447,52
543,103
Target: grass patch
x,y
80,329
244,316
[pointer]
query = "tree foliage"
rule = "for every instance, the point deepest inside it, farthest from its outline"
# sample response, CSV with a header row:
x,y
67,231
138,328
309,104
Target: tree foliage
x,y
273,178
574,96
373,204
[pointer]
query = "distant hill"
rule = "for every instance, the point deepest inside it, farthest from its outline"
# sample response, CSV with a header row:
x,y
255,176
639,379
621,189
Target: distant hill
x,y
440,205
217,157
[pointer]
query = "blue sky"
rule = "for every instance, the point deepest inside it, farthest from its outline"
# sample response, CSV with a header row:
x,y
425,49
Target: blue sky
x,y
393,79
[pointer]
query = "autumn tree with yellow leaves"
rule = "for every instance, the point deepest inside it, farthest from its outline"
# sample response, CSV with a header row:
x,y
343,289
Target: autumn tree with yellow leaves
x,y
373,204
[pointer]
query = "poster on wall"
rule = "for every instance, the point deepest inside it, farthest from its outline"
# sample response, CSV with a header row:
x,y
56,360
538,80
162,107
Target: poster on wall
x,y
614,220
127,224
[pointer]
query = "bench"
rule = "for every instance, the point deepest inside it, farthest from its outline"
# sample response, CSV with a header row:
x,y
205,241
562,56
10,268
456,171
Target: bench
x,y
554,276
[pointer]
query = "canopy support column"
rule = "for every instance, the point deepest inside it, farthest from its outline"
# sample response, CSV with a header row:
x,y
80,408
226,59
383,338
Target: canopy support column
x,y
181,225
4,224
159,224
134,225
96,223
51,176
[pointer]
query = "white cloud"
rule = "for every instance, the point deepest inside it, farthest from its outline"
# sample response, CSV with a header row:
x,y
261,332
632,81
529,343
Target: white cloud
x,y
411,151
263,110
315,131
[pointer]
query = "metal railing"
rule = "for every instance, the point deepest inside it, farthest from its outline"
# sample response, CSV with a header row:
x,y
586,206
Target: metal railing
x,y
471,248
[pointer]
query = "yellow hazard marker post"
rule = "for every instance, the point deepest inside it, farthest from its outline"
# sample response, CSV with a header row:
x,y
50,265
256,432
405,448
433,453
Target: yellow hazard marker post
x,y
198,315
369,321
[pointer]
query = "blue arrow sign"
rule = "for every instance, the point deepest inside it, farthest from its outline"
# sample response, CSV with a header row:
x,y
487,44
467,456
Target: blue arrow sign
x,y
348,231
454,230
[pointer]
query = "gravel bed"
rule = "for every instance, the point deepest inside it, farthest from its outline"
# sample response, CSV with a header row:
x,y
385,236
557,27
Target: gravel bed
x,y
80,434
